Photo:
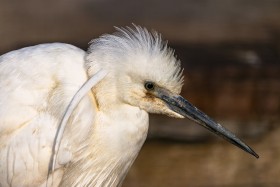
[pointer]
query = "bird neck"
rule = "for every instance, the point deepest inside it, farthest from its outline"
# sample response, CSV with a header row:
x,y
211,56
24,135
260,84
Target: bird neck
x,y
115,141
108,96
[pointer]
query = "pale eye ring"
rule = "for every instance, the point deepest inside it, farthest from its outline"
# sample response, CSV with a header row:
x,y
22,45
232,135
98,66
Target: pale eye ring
x,y
149,86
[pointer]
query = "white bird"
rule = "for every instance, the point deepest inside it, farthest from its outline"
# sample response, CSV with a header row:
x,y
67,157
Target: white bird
x,y
75,118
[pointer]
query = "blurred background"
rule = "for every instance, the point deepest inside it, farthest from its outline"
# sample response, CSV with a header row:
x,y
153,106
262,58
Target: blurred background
x,y
230,50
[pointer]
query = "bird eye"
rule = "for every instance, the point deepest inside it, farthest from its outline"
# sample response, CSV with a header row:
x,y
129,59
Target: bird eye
x,y
149,86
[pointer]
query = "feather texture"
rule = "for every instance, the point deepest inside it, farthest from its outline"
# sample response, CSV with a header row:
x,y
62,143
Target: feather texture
x,y
146,55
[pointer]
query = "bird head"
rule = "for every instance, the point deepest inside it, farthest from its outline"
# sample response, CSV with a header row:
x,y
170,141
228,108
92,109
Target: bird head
x,y
143,72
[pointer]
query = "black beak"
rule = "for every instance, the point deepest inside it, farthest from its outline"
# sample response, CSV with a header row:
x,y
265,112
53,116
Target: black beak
x,y
181,106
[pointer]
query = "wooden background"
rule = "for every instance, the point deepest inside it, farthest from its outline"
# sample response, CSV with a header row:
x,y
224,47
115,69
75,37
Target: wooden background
x,y
230,50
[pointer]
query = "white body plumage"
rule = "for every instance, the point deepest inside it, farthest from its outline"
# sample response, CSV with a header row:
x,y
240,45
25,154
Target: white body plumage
x,y
37,84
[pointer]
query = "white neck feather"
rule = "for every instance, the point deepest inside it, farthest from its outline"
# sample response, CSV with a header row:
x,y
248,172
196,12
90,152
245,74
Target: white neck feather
x,y
106,156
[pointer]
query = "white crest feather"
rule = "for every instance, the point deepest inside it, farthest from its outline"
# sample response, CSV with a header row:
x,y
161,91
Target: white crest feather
x,y
130,49
69,110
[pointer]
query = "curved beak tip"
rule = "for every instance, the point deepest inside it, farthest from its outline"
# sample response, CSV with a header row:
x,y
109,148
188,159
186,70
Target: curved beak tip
x,y
252,152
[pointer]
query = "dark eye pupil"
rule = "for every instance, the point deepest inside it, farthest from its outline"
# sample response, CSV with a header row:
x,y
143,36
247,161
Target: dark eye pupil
x,y
149,85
